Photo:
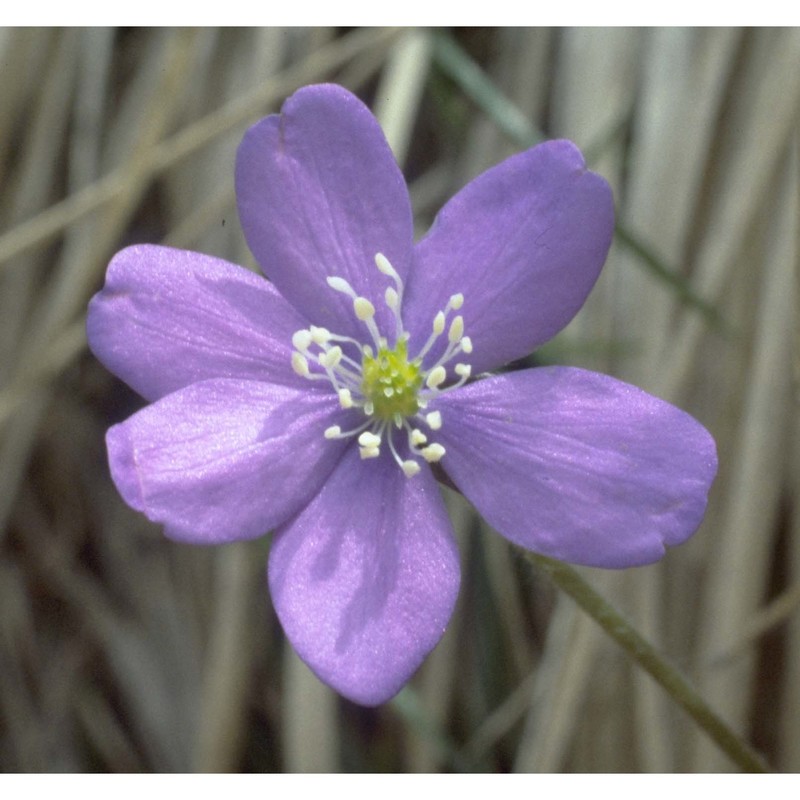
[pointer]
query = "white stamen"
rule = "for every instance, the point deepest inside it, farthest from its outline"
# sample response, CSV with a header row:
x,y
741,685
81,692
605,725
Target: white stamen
x,y
330,358
363,308
393,295
410,468
341,285
456,329
434,420
433,453
384,265
436,377
394,376
345,398
319,336
418,437
301,340
369,439
300,364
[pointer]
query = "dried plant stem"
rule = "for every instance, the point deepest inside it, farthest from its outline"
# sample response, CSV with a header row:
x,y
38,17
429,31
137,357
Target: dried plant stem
x,y
676,685
400,90
50,222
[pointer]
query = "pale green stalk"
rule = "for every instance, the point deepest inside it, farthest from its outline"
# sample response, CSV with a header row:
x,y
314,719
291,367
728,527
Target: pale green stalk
x,y
646,656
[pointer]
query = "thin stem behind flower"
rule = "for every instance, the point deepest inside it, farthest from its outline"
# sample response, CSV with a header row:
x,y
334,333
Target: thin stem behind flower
x,y
647,657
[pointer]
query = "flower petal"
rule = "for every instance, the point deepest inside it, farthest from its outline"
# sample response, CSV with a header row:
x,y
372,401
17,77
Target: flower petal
x,y
223,460
365,579
578,466
524,243
319,194
167,318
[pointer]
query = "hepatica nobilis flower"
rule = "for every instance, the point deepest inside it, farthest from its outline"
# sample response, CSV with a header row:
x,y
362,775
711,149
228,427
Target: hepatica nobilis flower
x,y
316,403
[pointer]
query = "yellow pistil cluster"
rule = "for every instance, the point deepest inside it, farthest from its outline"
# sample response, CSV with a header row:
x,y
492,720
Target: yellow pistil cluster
x,y
391,383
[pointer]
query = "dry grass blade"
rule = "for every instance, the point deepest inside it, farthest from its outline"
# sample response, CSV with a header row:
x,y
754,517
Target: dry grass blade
x,y
757,463
49,223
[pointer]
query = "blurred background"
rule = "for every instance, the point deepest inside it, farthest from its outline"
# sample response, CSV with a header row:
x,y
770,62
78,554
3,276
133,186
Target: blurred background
x,y
122,651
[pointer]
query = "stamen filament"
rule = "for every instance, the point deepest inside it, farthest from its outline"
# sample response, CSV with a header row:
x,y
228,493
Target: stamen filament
x,y
394,297
335,432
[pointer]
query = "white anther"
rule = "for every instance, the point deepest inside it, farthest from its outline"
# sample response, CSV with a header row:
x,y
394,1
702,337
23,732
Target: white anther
x,y
367,351
301,340
330,358
410,468
463,370
388,391
456,329
345,398
369,440
418,437
363,308
319,336
300,364
456,301
341,285
433,453
438,323
369,408
392,299
466,344
384,265
436,377
333,432
434,420
369,452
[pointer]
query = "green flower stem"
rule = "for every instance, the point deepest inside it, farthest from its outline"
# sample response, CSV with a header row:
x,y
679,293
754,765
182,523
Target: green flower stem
x,y
677,686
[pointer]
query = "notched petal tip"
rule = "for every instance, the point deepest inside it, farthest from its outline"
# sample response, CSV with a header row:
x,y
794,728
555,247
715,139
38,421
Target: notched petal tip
x,y
564,149
525,243
322,92
319,193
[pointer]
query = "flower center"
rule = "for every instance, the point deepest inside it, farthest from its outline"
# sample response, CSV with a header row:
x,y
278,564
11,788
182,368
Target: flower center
x,y
391,383
391,389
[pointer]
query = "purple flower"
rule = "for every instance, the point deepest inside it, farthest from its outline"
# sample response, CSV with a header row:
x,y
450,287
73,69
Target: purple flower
x,y
313,404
